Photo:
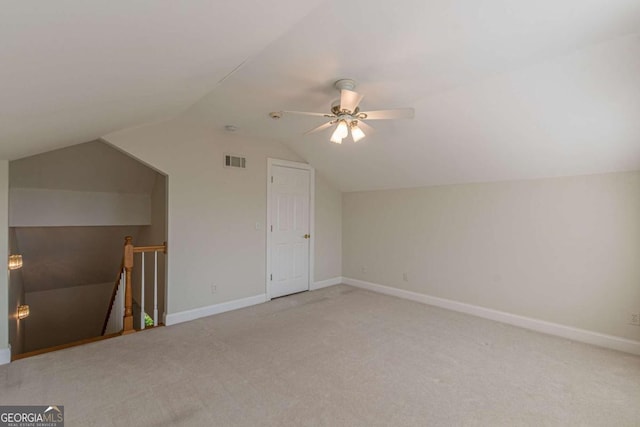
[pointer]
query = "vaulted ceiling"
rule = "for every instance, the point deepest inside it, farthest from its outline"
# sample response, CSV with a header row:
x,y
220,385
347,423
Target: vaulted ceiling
x,y
502,89
73,70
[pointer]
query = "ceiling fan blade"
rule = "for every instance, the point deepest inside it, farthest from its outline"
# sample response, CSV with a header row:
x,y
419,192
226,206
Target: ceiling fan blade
x,y
368,130
319,128
305,113
349,100
398,113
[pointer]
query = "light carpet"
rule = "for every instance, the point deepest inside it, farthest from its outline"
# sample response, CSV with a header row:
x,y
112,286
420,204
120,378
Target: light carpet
x,y
339,356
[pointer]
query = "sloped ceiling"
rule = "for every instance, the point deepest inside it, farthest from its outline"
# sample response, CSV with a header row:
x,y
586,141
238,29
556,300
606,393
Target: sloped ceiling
x,y
93,166
502,89
74,70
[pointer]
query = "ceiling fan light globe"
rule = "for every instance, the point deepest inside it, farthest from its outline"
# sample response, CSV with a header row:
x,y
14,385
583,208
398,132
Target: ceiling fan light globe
x,y
343,129
336,136
346,115
356,133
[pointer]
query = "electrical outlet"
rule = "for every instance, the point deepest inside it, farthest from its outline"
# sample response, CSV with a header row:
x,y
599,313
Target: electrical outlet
x,y
405,277
635,319
214,289
363,269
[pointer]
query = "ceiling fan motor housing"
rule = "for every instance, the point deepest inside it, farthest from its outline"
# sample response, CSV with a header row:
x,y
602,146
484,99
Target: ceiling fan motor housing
x,y
347,84
335,108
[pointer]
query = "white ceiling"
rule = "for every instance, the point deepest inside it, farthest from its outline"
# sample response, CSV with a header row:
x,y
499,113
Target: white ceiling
x,y
502,90
74,70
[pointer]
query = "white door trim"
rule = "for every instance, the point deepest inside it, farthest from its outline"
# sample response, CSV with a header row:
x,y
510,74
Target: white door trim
x,y
312,190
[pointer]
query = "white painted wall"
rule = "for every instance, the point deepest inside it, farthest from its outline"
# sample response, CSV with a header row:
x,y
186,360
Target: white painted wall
x,y
31,207
216,215
563,250
328,231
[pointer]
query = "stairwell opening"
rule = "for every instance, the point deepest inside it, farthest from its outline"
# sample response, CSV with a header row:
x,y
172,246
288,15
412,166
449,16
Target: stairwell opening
x,y
69,212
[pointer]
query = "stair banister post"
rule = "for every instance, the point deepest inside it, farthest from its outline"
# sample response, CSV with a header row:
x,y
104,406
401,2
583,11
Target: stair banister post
x,y
128,295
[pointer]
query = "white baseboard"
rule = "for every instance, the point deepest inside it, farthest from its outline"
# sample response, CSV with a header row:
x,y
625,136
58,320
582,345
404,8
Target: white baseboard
x,y
197,313
5,355
325,283
581,335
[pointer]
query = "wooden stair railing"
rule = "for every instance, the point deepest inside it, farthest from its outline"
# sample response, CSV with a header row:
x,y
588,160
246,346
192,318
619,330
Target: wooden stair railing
x,y
128,265
127,326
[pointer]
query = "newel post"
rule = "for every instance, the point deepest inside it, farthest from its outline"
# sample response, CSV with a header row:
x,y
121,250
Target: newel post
x,y
128,296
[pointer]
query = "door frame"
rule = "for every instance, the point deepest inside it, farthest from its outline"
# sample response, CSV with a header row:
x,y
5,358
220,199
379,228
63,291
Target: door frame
x,y
271,163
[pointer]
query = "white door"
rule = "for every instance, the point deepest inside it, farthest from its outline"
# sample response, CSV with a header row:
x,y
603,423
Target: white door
x,y
290,232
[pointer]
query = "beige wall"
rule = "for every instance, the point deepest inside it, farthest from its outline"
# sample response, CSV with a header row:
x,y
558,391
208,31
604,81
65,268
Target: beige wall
x,y
4,248
91,167
61,257
213,211
91,184
564,250
61,316
31,207
328,231
16,298
155,234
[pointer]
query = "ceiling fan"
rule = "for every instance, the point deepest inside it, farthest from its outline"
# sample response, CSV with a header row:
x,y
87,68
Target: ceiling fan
x,y
346,115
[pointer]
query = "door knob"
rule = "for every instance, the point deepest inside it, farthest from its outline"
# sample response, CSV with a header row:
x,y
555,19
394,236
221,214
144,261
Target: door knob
x,y
306,236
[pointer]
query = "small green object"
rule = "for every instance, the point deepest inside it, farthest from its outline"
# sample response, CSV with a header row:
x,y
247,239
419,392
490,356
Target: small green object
x,y
148,321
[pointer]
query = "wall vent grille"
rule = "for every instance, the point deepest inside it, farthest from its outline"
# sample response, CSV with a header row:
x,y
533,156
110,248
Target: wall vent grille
x,y
233,161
